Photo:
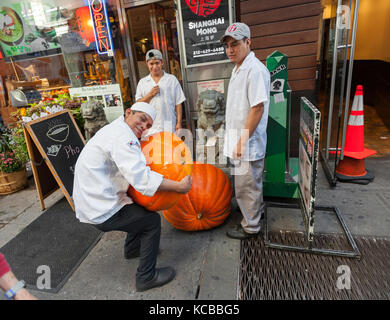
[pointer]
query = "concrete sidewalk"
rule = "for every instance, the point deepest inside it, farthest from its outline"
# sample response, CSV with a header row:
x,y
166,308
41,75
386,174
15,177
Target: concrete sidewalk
x,y
365,208
206,262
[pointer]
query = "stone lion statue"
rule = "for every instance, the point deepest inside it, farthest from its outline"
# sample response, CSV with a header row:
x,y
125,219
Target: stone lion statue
x,y
94,116
211,118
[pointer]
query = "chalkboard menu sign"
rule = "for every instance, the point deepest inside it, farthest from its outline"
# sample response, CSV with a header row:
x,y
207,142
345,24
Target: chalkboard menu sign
x,y
204,23
59,142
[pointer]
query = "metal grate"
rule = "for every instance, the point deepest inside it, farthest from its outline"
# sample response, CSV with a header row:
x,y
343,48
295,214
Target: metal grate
x,y
272,274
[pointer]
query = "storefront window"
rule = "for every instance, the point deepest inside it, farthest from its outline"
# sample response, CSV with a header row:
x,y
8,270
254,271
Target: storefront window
x,y
50,48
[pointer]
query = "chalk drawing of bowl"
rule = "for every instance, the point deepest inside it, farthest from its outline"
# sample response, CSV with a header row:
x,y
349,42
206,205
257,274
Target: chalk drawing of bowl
x,y
59,133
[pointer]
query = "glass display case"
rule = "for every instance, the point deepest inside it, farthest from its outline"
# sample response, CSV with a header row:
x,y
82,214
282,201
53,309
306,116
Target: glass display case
x,y
50,47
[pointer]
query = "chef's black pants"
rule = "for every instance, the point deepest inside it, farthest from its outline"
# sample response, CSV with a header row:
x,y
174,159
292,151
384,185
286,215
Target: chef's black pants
x,y
143,229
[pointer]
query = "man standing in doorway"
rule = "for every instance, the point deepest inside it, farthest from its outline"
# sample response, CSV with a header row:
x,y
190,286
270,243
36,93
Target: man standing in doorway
x,y
246,123
163,91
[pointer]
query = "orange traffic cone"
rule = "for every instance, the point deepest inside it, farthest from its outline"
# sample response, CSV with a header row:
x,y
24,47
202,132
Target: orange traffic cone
x,y
352,167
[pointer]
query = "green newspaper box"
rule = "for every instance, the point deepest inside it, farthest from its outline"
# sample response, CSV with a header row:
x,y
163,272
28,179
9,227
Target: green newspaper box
x,y
281,171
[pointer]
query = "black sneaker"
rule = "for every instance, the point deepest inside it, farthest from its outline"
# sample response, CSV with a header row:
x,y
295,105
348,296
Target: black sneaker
x,y
237,232
162,276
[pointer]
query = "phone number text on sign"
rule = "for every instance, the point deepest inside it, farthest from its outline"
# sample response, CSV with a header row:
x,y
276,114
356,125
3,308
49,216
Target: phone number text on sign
x,y
198,53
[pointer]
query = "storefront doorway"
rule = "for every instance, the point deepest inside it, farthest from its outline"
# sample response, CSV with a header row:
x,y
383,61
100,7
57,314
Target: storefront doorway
x,y
148,24
347,25
153,26
337,52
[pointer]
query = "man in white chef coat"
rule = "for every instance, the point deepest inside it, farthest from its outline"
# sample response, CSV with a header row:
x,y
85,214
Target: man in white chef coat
x,y
245,142
110,161
163,91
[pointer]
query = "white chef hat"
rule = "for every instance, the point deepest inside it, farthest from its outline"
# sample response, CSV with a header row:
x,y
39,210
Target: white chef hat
x,y
144,107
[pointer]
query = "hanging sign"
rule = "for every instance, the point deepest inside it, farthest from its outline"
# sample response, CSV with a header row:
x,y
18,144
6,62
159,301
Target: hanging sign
x,y
204,23
101,27
109,95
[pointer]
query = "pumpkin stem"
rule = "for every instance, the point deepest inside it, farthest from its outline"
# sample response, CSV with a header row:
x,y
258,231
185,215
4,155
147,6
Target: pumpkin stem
x,y
199,216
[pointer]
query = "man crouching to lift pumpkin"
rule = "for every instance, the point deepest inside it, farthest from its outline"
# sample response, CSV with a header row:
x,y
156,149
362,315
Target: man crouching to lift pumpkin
x,y
108,163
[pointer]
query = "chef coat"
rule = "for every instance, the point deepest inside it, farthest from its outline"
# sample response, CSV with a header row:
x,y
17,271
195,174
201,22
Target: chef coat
x,y
110,161
171,94
248,87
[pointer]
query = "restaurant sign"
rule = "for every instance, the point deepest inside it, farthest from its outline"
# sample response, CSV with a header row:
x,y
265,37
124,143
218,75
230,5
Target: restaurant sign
x,y
204,23
101,26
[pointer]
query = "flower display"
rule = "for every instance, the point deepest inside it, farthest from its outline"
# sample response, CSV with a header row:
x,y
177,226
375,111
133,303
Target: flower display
x,y
13,150
9,162
58,100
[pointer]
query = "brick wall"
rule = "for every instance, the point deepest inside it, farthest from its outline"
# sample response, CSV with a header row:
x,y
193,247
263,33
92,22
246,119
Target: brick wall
x,y
290,26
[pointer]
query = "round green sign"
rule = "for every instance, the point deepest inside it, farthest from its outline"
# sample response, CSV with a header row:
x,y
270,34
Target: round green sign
x,y
12,31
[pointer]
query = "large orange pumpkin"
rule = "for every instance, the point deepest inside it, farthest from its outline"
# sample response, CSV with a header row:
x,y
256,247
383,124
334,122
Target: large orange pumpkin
x,y
207,204
168,155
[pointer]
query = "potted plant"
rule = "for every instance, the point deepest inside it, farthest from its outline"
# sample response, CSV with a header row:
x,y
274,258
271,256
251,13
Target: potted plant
x,y
13,159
